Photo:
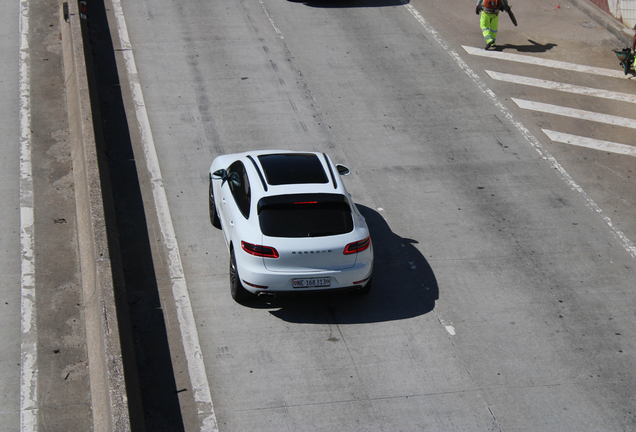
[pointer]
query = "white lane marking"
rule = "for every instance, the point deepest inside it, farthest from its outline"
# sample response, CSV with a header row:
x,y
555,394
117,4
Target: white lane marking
x,y
271,20
572,67
625,242
576,113
568,88
447,326
28,344
187,325
591,143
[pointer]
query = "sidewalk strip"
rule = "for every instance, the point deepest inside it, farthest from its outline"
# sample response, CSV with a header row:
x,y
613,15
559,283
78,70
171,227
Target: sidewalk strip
x,y
576,113
591,143
572,67
568,88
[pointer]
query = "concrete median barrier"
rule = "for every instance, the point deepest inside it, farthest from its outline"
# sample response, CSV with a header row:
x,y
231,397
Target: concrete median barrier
x,y
112,373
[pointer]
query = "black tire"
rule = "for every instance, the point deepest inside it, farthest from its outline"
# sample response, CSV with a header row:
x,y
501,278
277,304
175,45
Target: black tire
x,y
239,294
367,288
214,216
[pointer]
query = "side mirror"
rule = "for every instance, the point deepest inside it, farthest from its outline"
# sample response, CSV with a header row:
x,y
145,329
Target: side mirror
x,y
219,174
342,170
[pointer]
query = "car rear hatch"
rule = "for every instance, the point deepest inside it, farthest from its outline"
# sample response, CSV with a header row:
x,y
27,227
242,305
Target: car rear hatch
x,y
309,231
313,254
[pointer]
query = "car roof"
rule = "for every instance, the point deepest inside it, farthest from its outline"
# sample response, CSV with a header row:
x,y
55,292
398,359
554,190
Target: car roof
x,y
289,172
292,168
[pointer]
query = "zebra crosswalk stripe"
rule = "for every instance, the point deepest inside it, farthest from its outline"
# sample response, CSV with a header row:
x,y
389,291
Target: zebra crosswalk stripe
x,y
569,88
555,64
591,143
576,113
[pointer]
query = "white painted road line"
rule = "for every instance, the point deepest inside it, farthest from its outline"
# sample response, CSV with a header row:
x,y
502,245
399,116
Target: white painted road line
x,y
185,315
271,20
568,88
591,143
576,113
28,344
572,67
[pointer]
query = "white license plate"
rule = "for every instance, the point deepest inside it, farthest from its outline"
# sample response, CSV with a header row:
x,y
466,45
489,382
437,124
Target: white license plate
x,y
311,282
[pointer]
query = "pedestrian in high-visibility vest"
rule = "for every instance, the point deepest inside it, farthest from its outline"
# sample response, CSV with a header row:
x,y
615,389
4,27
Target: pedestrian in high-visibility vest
x,y
489,20
634,48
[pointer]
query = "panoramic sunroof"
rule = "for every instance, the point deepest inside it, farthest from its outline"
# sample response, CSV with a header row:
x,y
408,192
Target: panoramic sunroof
x,y
292,168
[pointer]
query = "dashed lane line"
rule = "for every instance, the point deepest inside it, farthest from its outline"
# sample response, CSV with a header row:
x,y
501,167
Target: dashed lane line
x,y
555,64
568,88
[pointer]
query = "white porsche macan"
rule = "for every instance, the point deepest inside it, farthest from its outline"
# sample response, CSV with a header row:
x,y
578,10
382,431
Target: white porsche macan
x,y
289,224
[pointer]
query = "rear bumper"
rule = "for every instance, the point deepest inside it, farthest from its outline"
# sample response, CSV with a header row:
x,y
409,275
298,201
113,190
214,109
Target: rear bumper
x,y
298,292
260,280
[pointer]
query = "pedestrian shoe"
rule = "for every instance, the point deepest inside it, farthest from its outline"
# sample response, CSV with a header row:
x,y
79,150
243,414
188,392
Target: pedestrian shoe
x,y
489,44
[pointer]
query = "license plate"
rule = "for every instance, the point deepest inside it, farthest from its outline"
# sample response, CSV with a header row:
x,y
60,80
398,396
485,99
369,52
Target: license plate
x,y
311,282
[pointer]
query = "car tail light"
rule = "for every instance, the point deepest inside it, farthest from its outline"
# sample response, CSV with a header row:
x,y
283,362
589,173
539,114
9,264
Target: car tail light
x,y
358,246
259,251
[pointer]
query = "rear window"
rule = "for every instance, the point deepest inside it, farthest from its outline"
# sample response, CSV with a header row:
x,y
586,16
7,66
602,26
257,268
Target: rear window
x,y
315,215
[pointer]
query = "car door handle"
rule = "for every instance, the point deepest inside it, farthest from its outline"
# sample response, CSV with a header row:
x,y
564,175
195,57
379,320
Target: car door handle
x,y
231,223
223,200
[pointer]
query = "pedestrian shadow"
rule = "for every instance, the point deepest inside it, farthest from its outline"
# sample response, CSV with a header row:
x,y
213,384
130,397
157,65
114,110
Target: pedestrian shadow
x,y
533,47
343,4
404,286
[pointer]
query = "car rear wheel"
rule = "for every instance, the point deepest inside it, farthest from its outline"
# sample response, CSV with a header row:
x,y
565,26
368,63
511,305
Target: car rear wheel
x,y
239,294
214,216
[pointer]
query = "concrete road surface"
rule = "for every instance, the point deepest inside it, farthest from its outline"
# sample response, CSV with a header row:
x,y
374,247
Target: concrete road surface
x,y
498,186
503,295
10,221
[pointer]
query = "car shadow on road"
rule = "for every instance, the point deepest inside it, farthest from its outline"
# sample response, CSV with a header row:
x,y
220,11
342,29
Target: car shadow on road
x,y
343,4
404,286
534,47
